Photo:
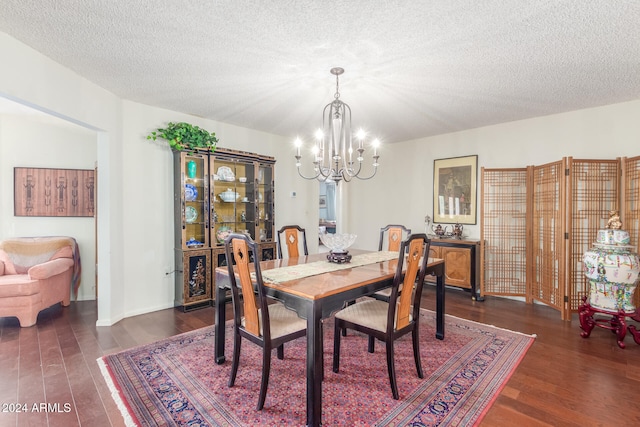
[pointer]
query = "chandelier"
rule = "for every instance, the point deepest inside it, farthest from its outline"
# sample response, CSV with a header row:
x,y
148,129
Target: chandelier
x,y
336,157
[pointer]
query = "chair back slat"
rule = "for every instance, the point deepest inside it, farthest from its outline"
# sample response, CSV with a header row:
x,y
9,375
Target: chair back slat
x,y
250,305
395,237
415,253
291,238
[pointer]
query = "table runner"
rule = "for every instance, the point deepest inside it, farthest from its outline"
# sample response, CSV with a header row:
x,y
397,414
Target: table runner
x,y
293,272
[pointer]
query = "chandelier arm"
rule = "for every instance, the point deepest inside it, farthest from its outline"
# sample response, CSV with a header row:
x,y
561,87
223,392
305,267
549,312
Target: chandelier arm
x,y
357,174
319,176
308,177
375,170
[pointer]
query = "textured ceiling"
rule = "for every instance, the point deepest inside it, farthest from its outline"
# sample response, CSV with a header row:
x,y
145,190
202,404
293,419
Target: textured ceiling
x,y
413,68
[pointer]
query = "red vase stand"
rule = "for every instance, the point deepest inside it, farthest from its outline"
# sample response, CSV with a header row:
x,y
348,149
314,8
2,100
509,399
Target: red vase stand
x,y
616,323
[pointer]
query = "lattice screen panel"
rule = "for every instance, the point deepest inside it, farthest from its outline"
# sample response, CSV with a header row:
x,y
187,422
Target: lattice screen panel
x,y
593,192
547,254
504,231
631,199
571,196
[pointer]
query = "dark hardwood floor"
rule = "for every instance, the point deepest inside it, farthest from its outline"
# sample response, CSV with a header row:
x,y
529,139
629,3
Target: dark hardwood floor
x,y
564,380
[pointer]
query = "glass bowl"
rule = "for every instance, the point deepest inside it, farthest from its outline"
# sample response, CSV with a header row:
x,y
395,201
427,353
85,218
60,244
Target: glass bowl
x,y
338,243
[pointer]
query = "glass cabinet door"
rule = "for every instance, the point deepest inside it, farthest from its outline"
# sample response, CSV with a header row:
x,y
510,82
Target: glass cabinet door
x,y
194,194
264,184
234,200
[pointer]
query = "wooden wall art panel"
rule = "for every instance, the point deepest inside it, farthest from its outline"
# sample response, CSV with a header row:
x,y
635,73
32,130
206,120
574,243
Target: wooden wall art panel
x,y
54,192
504,231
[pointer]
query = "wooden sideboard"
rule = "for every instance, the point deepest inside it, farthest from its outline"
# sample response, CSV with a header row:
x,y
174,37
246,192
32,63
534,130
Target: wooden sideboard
x,y
461,261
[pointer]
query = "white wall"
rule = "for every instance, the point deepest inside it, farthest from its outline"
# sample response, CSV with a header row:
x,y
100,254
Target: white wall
x,y
148,194
403,190
39,141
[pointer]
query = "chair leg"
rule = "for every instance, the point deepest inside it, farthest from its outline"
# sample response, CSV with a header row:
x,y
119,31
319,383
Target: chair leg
x,y
237,340
391,367
266,368
372,344
281,351
346,304
336,347
416,351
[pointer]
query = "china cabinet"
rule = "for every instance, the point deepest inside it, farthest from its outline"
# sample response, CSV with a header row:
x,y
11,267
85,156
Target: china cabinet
x,y
216,194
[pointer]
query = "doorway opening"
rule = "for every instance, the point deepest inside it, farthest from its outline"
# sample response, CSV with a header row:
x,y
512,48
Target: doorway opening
x,y
327,208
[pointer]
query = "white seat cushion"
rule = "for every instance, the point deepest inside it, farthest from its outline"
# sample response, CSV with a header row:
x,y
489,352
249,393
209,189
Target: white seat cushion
x,y
370,313
387,291
283,321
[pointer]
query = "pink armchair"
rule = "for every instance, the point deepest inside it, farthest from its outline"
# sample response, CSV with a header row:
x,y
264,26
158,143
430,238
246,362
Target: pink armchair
x,y
36,273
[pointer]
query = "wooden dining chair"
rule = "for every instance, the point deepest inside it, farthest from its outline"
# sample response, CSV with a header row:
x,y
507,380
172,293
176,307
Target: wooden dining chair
x,y
388,321
268,325
394,235
292,240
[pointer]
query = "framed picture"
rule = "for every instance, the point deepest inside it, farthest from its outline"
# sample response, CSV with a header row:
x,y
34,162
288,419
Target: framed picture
x,y
454,190
323,201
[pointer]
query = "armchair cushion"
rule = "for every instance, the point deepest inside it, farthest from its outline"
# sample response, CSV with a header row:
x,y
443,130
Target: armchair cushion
x,y
50,268
8,266
14,286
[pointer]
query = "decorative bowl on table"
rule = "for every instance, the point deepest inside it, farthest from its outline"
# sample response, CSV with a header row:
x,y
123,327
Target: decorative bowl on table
x,y
229,195
338,245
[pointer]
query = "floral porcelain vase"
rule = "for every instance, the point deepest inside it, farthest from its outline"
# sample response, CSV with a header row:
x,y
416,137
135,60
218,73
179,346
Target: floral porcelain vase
x,y
612,269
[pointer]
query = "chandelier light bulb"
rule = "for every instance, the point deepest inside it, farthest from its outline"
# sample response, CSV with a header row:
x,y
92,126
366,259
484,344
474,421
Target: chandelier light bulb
x,y
298,144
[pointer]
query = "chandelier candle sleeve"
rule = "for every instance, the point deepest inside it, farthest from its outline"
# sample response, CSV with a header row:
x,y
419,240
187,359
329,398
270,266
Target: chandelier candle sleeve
x,y
333,151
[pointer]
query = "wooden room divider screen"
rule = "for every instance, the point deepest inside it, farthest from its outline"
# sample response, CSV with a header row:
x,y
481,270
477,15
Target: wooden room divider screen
x,y
536,223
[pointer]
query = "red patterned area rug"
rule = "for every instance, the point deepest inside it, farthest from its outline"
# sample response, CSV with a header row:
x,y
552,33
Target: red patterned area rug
x,y
176,381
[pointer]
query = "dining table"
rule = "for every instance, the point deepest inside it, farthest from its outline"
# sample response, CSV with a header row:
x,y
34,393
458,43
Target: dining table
x,y
322,289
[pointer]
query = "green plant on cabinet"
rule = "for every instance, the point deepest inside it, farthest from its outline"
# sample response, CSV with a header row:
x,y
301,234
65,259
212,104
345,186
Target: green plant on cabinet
x,y
184,136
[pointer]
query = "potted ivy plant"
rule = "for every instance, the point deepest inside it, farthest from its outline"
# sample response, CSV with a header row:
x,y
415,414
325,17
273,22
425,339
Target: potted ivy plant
x,y
186,137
